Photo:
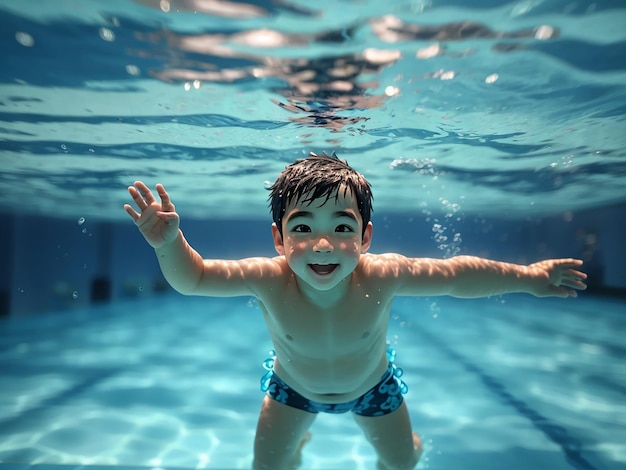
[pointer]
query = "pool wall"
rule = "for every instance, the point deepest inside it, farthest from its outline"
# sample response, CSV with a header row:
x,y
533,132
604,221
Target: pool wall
x,y
52,264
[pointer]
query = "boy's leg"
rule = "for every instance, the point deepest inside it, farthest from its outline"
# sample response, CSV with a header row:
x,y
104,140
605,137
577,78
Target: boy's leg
x,y
396,445
280,434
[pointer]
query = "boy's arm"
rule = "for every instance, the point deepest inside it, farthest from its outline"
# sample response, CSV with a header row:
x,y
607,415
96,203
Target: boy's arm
x,y
183,268
469,276
186,271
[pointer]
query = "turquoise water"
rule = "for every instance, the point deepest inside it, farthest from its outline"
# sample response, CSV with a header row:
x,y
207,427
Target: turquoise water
x,y
493,128
509,382
505,108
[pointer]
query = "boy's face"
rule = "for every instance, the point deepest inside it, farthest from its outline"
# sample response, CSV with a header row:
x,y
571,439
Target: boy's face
x,y
322,241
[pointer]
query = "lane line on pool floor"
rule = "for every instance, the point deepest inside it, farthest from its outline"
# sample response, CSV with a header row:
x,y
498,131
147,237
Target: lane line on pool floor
x,y
570,446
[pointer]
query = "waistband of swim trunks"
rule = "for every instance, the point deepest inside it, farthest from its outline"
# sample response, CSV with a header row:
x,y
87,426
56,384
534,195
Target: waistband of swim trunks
x,y
392,369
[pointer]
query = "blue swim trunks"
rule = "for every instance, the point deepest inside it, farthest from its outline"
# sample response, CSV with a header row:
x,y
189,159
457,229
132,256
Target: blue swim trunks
x,y
382,399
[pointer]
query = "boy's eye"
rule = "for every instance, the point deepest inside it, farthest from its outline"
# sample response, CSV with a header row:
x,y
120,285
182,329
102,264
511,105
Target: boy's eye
x,y
344,228
301,228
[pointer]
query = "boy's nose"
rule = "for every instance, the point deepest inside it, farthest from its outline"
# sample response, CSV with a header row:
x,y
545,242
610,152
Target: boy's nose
x,y
322,245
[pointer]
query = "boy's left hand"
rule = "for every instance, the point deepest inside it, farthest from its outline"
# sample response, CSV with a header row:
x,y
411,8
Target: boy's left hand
x,y
557,278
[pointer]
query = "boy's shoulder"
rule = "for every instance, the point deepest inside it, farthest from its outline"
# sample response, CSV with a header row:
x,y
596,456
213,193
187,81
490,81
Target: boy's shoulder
x,y
394,264
382,259
380,272
381,265
263,267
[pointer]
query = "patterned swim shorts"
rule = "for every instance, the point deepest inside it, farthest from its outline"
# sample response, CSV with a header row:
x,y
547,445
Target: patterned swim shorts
x,y
382,399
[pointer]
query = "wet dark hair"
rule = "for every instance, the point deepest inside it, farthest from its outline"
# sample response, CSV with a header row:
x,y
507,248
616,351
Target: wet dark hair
x,y
315,177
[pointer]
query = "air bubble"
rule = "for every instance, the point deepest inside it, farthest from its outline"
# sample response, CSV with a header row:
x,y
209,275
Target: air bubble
x,y
133,70
81,221
435,309
107,34
24,39
74,295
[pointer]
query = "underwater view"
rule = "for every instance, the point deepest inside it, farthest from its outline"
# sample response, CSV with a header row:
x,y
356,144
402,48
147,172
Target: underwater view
x,y
489,128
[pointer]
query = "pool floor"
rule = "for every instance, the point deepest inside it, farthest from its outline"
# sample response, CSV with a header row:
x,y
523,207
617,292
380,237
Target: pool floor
x,y
173,382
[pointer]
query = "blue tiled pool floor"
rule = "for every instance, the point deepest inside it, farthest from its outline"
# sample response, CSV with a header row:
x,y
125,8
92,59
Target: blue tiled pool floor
x,y
512,383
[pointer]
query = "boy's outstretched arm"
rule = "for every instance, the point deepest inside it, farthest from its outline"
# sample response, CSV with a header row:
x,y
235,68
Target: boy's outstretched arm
x,y
469,276
183,268
159,224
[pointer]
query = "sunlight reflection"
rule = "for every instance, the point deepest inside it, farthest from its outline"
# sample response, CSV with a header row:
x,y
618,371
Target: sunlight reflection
x,y
210,7
390,28
318,89
492,78
429,52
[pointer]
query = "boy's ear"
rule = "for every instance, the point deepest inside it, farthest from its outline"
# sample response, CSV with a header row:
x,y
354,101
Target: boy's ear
x,y
278,240
367,238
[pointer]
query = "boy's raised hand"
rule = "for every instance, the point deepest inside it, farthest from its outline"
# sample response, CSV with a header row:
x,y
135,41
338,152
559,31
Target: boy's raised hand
x,y
157,222
557,277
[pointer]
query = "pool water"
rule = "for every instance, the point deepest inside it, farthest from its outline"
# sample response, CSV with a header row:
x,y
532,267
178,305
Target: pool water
x,y
506,108
173,382
492,128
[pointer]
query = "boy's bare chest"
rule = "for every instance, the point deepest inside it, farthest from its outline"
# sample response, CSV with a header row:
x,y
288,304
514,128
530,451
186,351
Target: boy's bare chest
x,y
358,317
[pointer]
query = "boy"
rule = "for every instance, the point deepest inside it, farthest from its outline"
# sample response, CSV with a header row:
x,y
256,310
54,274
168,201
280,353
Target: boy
x,y
326,303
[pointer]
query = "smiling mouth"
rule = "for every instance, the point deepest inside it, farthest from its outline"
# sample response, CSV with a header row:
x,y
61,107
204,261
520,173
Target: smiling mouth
x,y
323,269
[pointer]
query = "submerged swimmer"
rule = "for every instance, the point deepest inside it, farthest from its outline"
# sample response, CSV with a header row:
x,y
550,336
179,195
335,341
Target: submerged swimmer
x,y
326,302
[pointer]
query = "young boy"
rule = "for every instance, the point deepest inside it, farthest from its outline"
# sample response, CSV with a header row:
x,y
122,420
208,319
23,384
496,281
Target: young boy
x,y
326,303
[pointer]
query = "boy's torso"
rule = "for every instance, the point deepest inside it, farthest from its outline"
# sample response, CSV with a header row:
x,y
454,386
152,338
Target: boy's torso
x,y
329,354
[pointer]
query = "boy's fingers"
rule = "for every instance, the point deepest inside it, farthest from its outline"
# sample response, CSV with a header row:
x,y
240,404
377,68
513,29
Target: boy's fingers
x,y
145,192
165,198
573,261
570,263
137,197
134,215
574,284
575,275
